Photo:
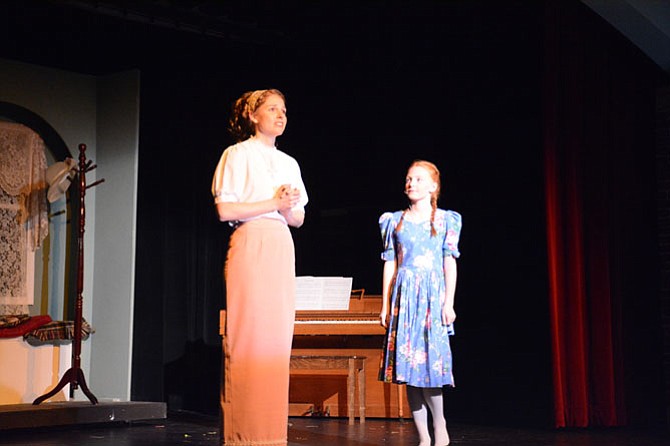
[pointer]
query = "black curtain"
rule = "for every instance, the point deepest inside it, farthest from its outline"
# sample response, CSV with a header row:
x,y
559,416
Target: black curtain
x,y
444,81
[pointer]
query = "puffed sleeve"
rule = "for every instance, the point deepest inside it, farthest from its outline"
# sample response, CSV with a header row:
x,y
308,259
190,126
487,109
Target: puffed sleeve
x,y
387,227
224,184
298,183
454,223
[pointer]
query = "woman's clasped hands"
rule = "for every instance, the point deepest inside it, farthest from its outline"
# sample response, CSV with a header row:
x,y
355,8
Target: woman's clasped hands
x,y
287,197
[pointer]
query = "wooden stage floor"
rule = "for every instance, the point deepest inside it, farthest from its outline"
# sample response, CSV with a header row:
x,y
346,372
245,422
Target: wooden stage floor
x,y
189,429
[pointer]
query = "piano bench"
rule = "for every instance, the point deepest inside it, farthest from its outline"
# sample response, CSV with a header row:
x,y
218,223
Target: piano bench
x,y
354,366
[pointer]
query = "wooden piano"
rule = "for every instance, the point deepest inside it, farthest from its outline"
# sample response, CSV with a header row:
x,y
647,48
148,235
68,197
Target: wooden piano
x,y
355,331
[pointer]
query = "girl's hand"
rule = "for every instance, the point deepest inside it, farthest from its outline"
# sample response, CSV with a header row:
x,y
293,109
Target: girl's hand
x,y
382,319
448,315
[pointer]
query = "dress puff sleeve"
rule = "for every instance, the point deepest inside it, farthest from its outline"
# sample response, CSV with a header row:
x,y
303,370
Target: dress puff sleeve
x,y
387,226
226,184
453,233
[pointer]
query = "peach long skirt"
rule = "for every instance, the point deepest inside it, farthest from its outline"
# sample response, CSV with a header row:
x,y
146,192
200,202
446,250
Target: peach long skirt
x,y
260,313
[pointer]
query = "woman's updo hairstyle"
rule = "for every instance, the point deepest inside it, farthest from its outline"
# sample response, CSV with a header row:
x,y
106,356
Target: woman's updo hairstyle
x,y
241,126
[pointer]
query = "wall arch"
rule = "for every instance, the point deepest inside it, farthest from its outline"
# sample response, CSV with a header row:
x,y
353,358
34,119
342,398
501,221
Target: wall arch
x,y
39,125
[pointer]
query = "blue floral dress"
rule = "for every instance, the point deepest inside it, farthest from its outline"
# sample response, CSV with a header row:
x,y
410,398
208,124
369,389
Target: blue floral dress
x,y
416,348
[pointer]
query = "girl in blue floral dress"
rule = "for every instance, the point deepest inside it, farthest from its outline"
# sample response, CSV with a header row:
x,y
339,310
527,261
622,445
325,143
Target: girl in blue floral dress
x,y
418,287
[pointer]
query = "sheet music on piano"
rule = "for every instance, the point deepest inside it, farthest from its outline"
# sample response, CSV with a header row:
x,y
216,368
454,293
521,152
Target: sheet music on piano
x,y
322,293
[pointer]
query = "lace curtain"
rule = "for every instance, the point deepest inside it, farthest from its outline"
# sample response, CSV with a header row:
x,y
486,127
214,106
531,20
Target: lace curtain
x,y
23,213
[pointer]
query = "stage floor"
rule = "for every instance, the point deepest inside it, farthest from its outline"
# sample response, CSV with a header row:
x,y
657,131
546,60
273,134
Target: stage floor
x,y
73,413
180,429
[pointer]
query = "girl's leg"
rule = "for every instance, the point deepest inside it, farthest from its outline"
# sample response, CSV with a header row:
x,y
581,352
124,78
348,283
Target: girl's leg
x,y
417,405
433,398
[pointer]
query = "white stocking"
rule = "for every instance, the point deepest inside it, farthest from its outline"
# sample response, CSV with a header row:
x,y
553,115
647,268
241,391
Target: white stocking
x,y
419,410
433,398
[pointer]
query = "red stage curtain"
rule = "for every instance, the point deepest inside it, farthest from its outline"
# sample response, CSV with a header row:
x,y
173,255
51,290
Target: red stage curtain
x,y
592,97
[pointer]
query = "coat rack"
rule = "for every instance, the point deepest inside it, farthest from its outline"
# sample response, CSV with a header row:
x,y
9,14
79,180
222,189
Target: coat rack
x,y
75,375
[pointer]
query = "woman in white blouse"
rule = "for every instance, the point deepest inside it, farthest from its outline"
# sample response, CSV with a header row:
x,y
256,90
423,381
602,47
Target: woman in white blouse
x,y
259,190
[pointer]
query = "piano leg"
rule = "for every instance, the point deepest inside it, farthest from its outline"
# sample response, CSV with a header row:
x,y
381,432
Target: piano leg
x,y
361,393
351,384
400,402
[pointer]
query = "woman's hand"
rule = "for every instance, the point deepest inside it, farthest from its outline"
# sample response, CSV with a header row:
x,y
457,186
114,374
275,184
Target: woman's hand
x,y
283,201
286,197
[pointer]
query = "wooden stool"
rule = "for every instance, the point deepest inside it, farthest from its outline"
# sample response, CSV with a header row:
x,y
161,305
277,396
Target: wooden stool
x,y
352,365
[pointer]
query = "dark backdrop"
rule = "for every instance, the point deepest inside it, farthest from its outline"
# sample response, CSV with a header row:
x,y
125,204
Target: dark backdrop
x,y
368,91
369,88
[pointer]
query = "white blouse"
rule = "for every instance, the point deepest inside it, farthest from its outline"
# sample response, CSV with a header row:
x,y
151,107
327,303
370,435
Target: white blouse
x,y
250,171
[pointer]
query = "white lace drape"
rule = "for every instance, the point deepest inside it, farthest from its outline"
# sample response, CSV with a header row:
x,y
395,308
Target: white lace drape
x,y
23,210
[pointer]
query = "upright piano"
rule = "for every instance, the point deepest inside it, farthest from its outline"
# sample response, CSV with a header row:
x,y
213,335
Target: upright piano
x,y
355,331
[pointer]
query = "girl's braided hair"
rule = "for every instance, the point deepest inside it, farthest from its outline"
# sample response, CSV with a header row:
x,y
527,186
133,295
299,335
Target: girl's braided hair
x,y
435,176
